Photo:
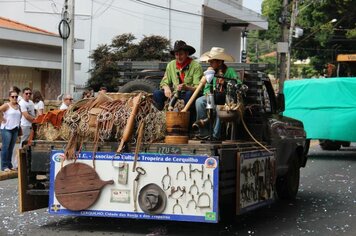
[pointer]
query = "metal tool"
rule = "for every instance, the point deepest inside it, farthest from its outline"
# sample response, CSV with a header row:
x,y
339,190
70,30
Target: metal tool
x,y
196,170
181,171
170,180
208,180
193,201
192,186
199,203
177,205
140,171
174,190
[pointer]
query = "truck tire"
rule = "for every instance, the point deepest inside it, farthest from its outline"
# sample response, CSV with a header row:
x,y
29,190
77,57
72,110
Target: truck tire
x,y
139,85
346,144
329,145
287,185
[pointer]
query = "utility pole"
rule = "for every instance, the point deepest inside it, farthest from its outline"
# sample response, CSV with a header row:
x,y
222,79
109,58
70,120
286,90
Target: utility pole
x,y
290,38
283,57
67,33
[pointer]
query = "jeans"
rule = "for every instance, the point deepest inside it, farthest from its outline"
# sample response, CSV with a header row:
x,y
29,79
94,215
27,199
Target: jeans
x,y
8,142
26,130
159,98
200,105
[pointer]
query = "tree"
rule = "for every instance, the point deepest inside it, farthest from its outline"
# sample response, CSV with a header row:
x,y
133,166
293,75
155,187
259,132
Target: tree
x,y
105,70
322,39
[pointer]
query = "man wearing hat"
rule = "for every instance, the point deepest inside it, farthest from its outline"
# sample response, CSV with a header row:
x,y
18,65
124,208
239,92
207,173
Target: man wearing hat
x,y
182,74
218,69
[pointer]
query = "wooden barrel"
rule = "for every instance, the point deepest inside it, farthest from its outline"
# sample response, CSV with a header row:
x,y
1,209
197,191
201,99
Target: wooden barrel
x,y
177,127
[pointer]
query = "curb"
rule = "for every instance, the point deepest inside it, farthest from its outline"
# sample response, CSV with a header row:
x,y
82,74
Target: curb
x,y
8,175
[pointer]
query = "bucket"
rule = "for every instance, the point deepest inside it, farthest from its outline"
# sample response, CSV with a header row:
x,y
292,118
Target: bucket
x,y
177,127
177,122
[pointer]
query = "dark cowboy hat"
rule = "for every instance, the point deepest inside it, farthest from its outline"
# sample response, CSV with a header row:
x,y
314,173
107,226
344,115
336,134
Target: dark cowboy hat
x,y
152,199
181,45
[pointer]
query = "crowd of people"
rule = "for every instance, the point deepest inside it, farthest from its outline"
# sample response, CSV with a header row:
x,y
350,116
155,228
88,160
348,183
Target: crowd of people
x,y
17,116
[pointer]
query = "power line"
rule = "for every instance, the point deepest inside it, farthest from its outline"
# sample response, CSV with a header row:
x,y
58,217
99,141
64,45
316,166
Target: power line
x,y
184,12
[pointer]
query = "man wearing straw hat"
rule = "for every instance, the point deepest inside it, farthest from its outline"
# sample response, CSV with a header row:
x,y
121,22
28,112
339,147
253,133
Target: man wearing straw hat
x,y
182,74
215,74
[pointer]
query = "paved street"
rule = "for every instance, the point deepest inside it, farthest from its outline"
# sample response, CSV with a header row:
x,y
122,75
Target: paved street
x,y
326,205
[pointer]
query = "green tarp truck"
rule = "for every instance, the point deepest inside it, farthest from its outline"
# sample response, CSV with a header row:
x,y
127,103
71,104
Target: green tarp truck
x,y
327,108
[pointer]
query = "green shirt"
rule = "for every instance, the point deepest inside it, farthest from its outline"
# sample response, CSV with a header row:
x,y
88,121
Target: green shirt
x,y
192,75
230,74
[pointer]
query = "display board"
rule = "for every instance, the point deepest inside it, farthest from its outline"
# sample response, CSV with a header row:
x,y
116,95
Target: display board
x,y
169,187
256,181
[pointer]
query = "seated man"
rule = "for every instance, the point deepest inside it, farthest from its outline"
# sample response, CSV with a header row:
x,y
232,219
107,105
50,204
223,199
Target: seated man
x,y
182,74
67,101
216,57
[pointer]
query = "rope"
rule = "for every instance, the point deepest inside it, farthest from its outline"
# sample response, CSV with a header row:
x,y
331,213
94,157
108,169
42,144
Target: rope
x,y
248,131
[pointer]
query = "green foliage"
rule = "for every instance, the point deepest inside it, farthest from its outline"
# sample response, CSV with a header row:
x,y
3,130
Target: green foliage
x,y
123,47
272,9
322,39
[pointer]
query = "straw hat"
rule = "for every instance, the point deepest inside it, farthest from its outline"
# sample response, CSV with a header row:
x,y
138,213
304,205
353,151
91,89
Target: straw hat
x,y
216,53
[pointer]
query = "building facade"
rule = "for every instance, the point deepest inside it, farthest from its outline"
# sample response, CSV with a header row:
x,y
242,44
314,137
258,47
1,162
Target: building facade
x,y
201,23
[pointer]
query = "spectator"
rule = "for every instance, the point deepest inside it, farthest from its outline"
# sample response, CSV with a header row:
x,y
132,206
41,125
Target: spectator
x,y
28,114
86,94
17,90
38,101
10,122
103,90
67,101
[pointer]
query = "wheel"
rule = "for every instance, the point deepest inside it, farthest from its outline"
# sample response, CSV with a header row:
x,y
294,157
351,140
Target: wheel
x,y
346,144
329,145
287,185
139,85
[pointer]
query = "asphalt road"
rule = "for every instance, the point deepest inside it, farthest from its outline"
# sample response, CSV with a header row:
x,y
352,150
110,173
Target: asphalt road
x,y
325,205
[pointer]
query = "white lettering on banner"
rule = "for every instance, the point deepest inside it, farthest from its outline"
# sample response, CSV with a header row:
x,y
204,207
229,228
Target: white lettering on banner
x,y
185,160
152,158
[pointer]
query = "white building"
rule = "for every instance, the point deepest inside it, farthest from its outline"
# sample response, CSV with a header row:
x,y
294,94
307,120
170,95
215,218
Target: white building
x,y
201,23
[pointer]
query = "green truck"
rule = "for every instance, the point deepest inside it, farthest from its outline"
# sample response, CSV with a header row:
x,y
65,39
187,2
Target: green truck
x,y
327,108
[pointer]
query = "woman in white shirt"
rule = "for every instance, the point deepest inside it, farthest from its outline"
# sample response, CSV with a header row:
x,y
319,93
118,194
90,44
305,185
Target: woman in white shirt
x,y
38,101
10,122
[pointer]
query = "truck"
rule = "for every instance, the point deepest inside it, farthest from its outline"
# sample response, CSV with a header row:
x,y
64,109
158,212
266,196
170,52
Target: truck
x,y
326,116
326,107
198,181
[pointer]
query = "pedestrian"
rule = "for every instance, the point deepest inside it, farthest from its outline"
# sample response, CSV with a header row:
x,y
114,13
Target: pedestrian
x,y
17,90
67,101
182,74
103,90
27,108
215,76
86,94
10,125
39,104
